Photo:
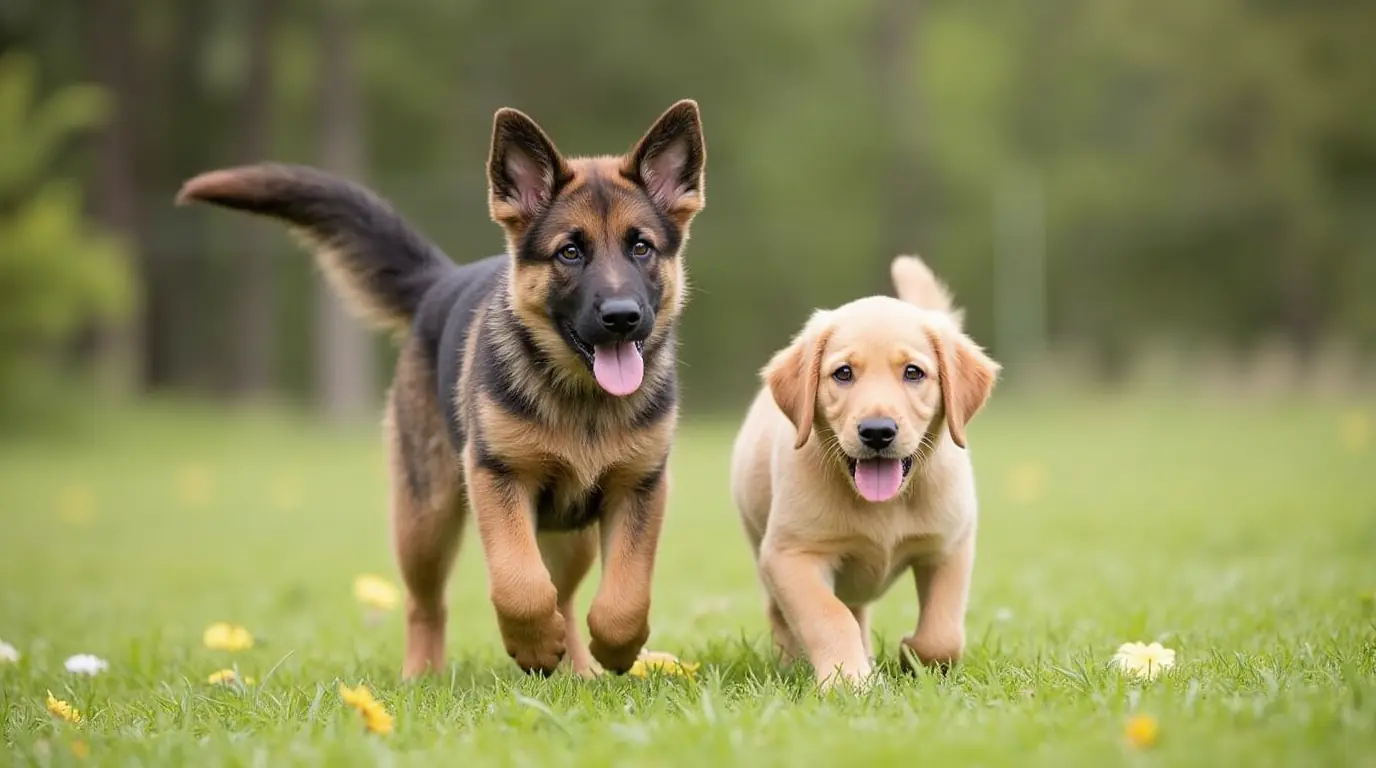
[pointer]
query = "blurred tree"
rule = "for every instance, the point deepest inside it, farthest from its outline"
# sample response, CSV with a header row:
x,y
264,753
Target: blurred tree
x,y
181,320
344,368
255,315
115,64
900,99
1199,172
56,272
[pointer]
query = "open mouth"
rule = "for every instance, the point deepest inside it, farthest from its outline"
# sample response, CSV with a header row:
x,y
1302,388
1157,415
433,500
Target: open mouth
x,y
619,367
879,478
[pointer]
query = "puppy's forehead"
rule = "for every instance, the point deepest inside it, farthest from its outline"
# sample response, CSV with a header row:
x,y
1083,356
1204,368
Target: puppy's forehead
x,y
602,202
878,323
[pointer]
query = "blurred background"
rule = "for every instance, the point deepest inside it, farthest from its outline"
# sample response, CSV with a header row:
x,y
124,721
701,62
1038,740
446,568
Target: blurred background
x,y
1175,194
1160,217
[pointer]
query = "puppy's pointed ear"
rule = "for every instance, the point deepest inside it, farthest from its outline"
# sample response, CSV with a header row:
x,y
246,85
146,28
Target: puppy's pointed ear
x,y
524,170
966,375
669,161
795,372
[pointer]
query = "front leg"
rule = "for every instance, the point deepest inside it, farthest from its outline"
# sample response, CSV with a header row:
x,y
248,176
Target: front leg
x,y
943,590
862,617
522,592
619,620
800,584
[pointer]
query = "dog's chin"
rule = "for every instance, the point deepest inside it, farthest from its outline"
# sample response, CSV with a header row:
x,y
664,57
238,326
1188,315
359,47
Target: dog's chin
x,y
576,343
879,478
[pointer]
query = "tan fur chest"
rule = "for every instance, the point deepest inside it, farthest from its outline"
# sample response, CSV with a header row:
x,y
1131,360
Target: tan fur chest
x,y
870,546
868,561
574,458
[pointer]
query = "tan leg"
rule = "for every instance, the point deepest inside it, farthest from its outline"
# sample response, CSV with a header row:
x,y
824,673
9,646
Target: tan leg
x,y
523,595
783,636
569,556
619,620
801,584
426,530
862,617
943,590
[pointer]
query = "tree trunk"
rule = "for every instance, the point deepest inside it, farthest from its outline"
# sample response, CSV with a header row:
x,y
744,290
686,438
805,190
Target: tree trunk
x,y
900,110
255,308
182,347
1299,299
117,192
344,363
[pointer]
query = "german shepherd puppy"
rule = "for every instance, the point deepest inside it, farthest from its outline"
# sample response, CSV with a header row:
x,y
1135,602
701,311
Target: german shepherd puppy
x,y
537,388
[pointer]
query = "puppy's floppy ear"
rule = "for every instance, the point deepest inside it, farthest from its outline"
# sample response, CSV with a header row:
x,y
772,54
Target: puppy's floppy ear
x,y
794,373
966,375
524,170
669,160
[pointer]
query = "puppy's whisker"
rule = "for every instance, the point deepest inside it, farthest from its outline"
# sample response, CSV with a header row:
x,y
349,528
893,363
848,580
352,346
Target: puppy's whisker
x,y
832,449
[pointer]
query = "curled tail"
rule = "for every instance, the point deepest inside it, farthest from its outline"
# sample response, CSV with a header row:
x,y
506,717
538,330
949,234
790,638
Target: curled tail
x,y
917,284
369,254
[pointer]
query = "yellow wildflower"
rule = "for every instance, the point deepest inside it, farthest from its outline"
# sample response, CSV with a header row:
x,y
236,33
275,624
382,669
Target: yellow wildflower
x,y
286,494
195,485
63,710
375,716
227,637
376,592
1356,428
1142,731
1143,661
76,505
227,677
80,749
665,663
1026,482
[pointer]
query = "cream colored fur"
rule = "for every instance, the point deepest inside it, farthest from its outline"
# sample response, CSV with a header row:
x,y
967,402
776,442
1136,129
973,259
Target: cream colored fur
x,y
824,553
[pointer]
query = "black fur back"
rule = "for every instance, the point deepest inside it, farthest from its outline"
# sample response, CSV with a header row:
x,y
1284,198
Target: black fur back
x,y
443,323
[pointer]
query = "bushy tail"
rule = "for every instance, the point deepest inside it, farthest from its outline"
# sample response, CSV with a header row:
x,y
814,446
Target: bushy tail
x,y
369,254
917,284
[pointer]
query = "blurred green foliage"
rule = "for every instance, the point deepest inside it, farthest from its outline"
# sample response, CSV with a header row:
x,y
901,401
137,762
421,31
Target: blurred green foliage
x,y
56,272
1203,173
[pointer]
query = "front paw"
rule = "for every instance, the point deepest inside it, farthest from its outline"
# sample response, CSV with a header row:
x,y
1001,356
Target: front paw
x,y
856,678
536,644
932,652
617,638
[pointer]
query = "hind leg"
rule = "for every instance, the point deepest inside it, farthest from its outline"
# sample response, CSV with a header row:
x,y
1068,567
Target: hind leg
x,y
569,557
427,523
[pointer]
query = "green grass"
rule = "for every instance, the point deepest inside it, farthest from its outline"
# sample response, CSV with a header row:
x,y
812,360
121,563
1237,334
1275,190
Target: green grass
x,y
1242,535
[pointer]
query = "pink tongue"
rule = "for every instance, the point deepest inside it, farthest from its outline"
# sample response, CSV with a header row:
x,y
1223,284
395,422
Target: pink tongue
x,y
878,479
618,367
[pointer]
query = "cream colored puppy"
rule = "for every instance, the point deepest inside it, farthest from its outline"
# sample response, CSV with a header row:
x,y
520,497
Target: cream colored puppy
x,y
851,469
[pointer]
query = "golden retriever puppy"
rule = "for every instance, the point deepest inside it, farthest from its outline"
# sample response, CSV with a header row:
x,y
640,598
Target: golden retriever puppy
x,y
851,469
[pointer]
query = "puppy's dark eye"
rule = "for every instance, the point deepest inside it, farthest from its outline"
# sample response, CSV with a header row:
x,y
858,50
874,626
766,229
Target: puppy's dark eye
x,y
843,374
569,254
913,373
641,249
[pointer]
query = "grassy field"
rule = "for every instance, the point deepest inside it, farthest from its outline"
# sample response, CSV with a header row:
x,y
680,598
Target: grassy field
x,y
1241,535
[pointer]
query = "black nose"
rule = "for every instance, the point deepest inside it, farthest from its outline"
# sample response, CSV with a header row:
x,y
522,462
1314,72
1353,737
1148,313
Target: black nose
x,y
878,434
620,316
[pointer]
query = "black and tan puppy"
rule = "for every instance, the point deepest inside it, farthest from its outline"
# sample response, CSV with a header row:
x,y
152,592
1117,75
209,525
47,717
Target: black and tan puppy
x,y
537,388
